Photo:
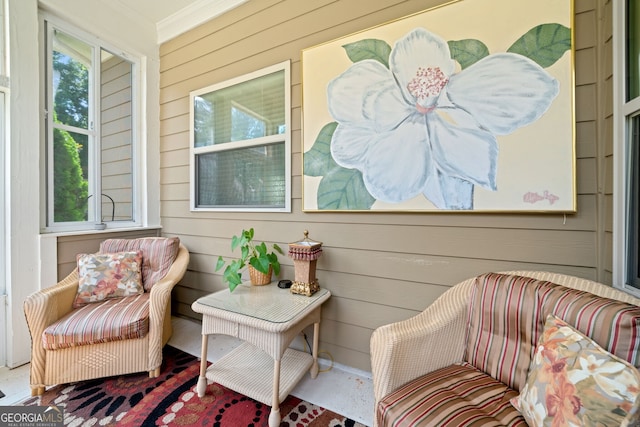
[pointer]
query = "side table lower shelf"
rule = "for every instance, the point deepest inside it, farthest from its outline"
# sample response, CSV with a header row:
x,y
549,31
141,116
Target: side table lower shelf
x,y
267,319
250,371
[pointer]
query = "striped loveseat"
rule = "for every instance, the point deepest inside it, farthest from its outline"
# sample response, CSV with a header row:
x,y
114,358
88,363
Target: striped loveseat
x,y
467,356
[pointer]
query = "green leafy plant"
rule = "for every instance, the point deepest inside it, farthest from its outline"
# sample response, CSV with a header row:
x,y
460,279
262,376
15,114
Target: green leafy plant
x,y
254,254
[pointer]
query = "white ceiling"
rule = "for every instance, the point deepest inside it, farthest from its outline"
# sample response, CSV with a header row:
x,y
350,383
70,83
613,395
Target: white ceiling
x,y
172,17
153,11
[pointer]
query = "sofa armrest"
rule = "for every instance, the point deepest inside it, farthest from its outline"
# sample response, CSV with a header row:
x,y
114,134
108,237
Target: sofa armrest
x,y
160,307
41,309
403,351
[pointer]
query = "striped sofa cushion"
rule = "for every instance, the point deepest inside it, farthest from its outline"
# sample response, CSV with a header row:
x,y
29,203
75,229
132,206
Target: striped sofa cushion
x,y
158,254
614,325
458,395
501,335
111,320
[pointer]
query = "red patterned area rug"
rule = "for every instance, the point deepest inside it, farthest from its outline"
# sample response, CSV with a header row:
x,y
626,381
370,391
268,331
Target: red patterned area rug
x,y
171,400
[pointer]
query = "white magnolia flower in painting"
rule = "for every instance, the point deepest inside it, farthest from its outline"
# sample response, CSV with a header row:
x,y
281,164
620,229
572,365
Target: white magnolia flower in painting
x,y
421,127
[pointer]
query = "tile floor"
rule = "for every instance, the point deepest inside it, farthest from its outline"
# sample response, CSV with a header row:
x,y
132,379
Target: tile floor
x,y
341,389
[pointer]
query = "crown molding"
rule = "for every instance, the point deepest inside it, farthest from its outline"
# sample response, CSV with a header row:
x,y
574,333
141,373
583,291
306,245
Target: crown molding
x,y
193,15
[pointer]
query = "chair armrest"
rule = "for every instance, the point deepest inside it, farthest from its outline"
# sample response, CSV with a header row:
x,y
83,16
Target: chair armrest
x,y
41,309
46,306
433,339
160,306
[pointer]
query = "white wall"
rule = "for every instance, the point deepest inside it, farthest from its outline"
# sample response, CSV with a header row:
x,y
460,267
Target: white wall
x,y
22,174
4,143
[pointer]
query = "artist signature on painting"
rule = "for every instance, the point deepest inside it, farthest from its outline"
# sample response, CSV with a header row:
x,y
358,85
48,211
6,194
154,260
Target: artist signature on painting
x,y
531,197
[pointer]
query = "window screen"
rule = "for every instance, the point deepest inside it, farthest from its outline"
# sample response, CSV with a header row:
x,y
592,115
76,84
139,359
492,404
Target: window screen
x,y
240,143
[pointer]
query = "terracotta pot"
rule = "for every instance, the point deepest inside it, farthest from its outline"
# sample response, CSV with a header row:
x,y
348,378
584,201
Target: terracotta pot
x,y
258,278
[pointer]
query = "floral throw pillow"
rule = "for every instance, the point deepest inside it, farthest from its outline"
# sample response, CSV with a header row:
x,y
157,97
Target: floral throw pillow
x,y
573,381
103,276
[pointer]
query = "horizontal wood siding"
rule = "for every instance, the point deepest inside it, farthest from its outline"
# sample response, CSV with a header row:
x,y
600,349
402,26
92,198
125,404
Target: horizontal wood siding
x,y
116,155
380,267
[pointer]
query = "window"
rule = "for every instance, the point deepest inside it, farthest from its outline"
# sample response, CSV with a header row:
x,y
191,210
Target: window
x,y
626,250
240,143
90,100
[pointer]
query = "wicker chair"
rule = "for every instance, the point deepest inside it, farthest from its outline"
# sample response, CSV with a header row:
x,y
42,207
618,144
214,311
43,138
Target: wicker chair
x,y
404,351
83,362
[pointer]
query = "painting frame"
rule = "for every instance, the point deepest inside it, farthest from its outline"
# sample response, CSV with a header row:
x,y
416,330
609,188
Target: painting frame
x,y
484,123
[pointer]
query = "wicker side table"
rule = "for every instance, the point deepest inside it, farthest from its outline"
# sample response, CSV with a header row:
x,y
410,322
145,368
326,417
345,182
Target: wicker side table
x,y
267,318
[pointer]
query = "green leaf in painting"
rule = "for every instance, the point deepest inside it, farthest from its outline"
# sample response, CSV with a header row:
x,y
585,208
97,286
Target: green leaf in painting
x,y
344,189
544,44
318,160
467,52
378,50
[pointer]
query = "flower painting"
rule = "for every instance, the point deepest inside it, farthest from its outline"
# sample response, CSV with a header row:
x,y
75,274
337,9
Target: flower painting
x,y
422,121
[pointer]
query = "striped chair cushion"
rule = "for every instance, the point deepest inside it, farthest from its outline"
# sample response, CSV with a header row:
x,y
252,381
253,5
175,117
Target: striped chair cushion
x,y
614,325
458,395
501,333
111,320
158,254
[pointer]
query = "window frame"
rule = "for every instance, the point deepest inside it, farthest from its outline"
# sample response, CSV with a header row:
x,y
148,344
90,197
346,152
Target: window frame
x,y
285,137
49,22
624,113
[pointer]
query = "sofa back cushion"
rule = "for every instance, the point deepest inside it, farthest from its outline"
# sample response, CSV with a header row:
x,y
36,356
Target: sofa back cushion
x,y
614,325
158,254
503,319
507,315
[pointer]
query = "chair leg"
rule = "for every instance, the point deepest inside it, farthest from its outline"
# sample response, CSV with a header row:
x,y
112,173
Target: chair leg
x,y
154,373
37,390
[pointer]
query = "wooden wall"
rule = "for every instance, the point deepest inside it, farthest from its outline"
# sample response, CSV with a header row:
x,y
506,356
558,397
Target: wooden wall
x,y
116,156
380,267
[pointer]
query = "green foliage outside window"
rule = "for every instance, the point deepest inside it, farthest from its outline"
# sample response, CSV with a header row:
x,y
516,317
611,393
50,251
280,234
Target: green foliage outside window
x,y
70,157
70,188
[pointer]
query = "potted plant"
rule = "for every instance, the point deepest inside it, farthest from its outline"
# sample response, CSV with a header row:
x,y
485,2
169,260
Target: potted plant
x,y
255,255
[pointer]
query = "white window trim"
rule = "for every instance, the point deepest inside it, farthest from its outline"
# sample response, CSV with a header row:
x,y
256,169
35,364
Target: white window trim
x,y
621,109
137,132
193,151
4,139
